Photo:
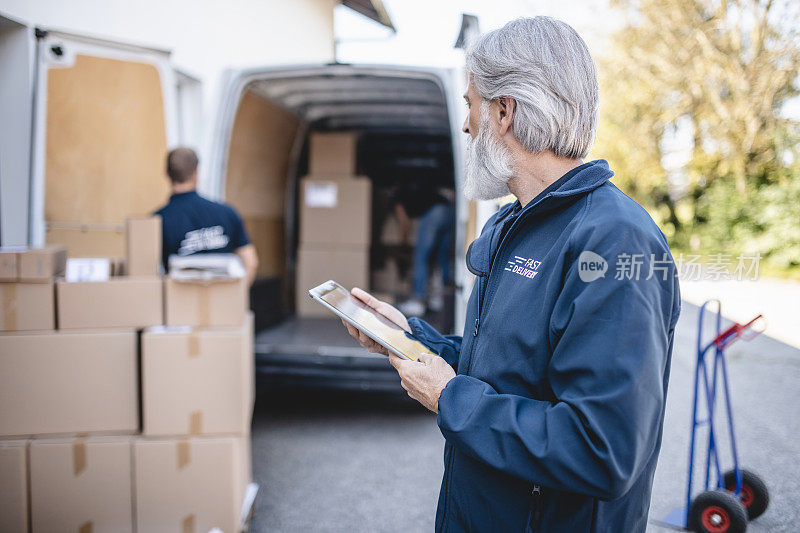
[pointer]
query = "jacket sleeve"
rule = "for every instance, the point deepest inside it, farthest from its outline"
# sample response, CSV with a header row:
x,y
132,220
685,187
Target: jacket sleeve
x,y
610,340
446,346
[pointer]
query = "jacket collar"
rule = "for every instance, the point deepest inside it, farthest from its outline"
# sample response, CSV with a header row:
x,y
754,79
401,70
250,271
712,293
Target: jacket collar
x,y
479,254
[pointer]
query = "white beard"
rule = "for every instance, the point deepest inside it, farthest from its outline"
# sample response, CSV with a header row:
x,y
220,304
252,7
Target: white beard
x,y
488,163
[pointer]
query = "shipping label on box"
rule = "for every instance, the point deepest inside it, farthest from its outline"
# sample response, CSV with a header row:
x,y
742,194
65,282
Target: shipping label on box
x,y
14,486
197,381
88,269
195,484
143,246
27,306
335,213
126,302
42,264
81,485
217,303
68,383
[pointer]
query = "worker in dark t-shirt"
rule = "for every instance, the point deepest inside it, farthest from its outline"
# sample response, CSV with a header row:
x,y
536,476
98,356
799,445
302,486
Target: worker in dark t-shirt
x,y
191,224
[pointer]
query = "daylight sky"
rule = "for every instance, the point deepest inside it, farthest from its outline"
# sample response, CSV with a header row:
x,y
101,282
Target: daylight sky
x,y
427,29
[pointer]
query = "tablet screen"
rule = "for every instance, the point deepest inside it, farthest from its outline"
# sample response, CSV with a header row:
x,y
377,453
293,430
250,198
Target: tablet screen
x,y
372,323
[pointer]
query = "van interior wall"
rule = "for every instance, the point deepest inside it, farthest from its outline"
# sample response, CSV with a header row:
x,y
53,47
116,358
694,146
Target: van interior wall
x,y
105,148
255,180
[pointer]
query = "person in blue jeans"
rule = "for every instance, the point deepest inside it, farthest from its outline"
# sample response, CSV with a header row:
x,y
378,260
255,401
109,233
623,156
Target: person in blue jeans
x,y
420,199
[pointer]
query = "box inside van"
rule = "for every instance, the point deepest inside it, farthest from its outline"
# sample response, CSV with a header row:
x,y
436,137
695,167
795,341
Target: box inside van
x,y
274,130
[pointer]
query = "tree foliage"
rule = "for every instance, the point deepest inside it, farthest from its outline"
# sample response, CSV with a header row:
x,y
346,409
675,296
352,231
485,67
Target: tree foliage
x,y
722,71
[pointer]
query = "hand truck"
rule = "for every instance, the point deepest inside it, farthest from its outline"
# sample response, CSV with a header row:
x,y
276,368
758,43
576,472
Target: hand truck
x,y
731,498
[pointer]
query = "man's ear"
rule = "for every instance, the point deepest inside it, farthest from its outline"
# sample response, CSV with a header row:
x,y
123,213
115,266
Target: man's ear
x,y
506,106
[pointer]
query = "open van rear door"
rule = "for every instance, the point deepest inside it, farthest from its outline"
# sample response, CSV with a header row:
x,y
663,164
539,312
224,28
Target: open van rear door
x,y
104,114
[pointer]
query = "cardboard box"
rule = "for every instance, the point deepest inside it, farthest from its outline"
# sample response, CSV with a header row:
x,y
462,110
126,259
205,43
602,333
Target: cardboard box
x,y
221,303
42,264
390,233
332,153
194,484
197,382
334,212
14,486
81,485
68,383
89,241
27,306
32,265
349,267
143,246
126,302
9,262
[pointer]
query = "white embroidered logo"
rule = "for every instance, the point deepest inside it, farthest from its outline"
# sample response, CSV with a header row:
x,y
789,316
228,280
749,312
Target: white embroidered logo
x,y
527,268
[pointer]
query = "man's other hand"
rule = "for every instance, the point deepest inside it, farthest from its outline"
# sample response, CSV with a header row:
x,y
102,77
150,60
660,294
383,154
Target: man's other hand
x,y
424,380
382,308
389,311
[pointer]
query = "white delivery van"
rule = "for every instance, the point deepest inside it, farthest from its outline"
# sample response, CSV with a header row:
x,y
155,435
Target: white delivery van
x,y
100,115
408,122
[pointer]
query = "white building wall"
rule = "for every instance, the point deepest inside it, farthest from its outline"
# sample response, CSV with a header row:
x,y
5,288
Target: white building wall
x,y
205,36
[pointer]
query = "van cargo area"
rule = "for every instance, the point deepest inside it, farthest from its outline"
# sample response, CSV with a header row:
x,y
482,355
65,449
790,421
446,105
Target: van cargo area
x,y
361,131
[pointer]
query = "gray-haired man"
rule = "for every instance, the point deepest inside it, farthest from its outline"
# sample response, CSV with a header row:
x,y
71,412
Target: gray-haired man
x,y
553,415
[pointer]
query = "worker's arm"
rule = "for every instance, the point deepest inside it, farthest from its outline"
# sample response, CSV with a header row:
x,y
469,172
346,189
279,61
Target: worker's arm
x,y
247,254
405,223
611,339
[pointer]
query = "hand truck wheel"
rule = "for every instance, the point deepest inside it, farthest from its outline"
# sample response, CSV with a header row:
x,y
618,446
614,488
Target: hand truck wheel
x,y
717,511
754,495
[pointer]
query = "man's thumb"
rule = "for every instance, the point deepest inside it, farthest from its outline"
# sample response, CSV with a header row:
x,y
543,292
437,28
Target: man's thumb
x,y
426,357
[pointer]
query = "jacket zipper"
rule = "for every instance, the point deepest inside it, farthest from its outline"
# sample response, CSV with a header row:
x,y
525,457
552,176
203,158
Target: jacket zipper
x,y
536,511
483,290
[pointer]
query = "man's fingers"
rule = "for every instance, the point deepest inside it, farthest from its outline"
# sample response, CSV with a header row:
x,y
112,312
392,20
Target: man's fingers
x,y
365,297
352,331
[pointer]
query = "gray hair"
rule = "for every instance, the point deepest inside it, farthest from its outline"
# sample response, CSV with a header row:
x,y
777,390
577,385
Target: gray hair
x,y
545,66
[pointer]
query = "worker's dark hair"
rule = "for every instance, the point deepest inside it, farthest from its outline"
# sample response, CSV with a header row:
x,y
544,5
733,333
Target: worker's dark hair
x,y
181,164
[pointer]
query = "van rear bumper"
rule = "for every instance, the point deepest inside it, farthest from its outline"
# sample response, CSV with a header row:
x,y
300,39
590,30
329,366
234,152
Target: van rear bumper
x,y
318,352
342,372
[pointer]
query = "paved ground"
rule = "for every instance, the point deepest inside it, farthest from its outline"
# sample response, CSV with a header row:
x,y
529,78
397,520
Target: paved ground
x,y
356,462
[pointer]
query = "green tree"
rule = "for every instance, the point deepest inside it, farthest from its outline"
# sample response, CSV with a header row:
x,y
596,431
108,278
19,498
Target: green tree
x,y
727,66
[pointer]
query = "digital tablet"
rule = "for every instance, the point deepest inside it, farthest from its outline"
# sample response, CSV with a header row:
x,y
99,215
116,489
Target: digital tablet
x,y
377,327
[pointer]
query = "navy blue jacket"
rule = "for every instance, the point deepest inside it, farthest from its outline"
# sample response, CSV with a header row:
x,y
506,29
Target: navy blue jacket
x,y
553,422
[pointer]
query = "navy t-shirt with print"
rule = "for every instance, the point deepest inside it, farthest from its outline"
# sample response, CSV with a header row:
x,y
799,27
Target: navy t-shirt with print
x,y
192,224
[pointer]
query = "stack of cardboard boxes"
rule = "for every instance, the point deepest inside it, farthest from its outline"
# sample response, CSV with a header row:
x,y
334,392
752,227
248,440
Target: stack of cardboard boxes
x,y
76,451
335,215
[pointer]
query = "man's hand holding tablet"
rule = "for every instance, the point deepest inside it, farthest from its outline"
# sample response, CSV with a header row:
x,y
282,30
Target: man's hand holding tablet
x,y
423,379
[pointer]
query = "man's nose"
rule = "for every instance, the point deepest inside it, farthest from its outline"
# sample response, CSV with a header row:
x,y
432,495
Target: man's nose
x,y
465,127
